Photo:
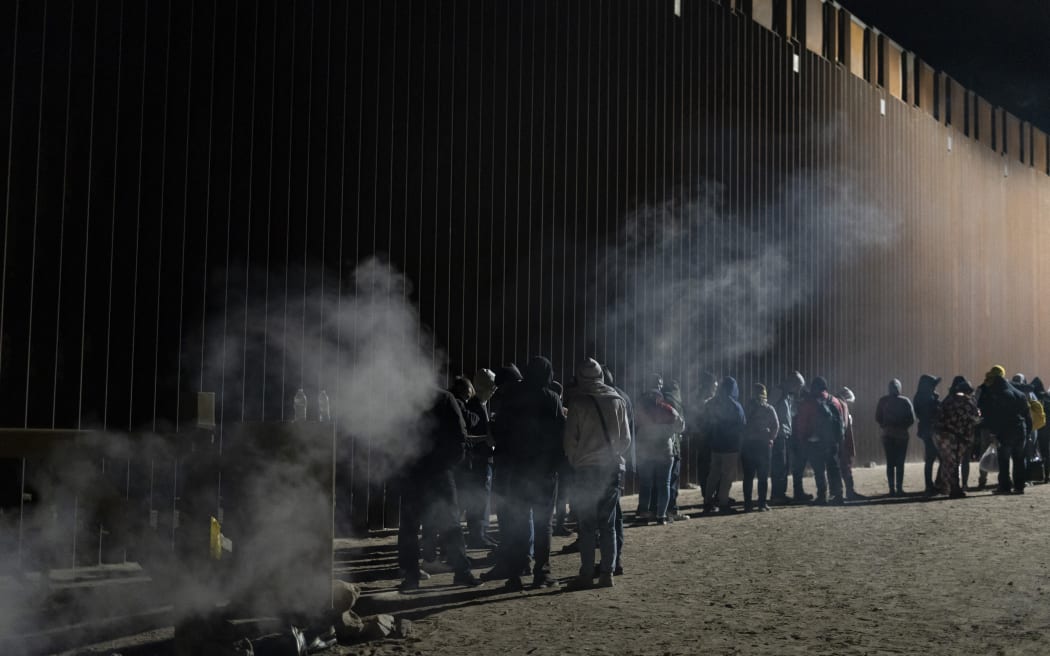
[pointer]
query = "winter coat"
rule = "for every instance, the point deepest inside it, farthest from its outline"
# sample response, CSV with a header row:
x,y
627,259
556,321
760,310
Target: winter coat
x,y
1005,410
785,409
588,442
959,417
927,403
445,436
657,422
762,422
809,413
725,420
528,429
894,413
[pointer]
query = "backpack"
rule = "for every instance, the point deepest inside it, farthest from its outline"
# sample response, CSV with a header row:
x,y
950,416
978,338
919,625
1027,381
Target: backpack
x,y
829,428
1038,414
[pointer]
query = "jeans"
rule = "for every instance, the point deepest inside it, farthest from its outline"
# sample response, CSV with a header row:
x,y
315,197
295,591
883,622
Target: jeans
x,y
796,451
654,477
896,448
529,507
475,489
754,458
930,456
778,468
431,501
824,459
720,478
1011,451
673,481
598,496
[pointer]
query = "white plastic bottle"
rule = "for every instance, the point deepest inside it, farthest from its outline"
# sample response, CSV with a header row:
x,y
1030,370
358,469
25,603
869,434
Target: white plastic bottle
x,y
300,405
324,410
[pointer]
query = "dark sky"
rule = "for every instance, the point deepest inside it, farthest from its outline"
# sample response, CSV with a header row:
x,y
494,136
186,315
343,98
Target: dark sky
x,y
997,48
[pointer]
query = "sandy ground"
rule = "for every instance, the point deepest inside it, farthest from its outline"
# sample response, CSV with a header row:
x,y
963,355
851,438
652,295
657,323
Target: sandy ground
x,y
900,576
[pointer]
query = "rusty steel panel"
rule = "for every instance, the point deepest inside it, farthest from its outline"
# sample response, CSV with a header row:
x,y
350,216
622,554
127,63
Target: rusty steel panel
x,y
762,12
985,116
957,100
892,66
856,48
1012,144
815,26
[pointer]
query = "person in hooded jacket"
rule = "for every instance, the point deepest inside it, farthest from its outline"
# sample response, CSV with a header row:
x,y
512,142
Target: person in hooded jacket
x,y
759,434
657,422
697,428
1008,418
597,435
927,404
786,456
725,428
849,447
895,415
959,417
672,392
629,457
477,472
1043,438
820,425
528,436
428,493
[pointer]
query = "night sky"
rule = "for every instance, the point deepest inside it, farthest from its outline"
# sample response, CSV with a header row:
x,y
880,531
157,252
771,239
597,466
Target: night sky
x,y
996,48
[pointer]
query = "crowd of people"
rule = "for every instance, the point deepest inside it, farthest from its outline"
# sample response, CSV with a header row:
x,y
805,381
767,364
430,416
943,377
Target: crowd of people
x,y
518,443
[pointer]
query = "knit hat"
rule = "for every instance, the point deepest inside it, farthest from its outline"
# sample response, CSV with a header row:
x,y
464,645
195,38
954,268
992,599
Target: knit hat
x,y
758,391
484,384
960,384
820,384
589,370
998,371
846,394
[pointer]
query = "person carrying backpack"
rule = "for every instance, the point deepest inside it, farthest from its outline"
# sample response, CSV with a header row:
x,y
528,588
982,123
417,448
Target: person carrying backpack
x,y
820,425
895,415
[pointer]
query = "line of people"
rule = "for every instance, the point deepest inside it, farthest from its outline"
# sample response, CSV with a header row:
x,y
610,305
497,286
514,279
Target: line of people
x,y
520,441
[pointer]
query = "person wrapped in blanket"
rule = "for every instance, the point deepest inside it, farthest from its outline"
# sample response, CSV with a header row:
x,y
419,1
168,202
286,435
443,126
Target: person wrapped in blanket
x,y
955,435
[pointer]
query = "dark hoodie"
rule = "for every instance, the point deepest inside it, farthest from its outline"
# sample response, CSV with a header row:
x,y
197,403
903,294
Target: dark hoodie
x,y
530,422
927,404
894,413
506,377
446,436
725,418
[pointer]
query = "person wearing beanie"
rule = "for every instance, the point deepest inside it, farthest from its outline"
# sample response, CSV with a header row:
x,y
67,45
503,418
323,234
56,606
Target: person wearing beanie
x,y
1007,417
725,428
955,432
895,415
657,422
761,429
820,425
672,392
786,456
597,435
475,480
1043,437
849,447
927,405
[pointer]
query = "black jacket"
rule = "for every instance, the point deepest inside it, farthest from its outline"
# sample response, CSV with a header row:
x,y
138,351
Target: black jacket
x,y
1005,410
724,417
444,436
528,429
927,404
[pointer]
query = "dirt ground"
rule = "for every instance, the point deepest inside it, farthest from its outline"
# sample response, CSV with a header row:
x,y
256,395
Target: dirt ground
x,y
887,576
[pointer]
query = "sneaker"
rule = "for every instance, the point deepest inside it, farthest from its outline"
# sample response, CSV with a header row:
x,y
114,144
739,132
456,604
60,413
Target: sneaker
x,y
957,494
466,578
855,496
836,500
764,508
1021,491
641,518
1000,490
728,510
408,585
494,574
779,501
618,570
662,521
803,497
605,580
821,500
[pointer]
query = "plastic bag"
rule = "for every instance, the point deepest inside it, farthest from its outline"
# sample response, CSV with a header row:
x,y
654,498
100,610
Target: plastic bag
x,y
990,461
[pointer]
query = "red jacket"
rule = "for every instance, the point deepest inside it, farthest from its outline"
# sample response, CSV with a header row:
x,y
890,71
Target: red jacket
x,y
806,420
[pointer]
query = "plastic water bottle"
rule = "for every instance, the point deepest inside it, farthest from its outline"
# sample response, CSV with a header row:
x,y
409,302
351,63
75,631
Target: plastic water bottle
x,y
324,410
300,405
